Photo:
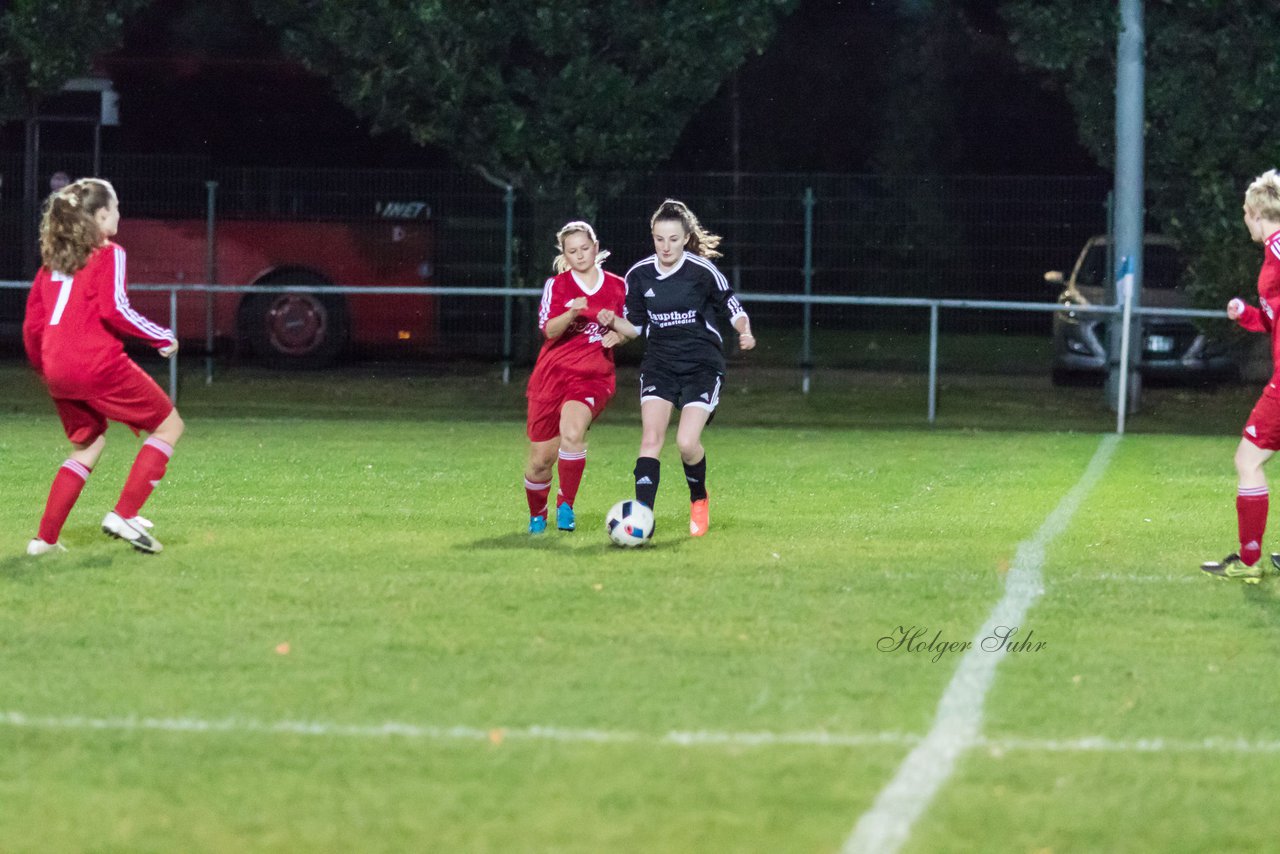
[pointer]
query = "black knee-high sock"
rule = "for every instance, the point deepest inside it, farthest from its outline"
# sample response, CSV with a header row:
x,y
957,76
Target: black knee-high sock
x,y
696,474
647,480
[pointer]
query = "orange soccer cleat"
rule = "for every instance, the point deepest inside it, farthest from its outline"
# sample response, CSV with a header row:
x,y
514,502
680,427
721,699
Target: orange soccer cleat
x,y
699,518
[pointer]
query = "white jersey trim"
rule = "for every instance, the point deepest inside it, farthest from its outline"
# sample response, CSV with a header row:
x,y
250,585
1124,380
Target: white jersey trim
x,y
652,259
544,310
657,265
735,307
715,399
147,327
582,285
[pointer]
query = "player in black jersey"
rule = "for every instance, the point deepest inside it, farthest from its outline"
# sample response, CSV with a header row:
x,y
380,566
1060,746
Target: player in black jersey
x,y
674,298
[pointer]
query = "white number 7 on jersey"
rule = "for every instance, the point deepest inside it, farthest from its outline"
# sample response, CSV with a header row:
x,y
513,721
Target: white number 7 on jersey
x,y
64,294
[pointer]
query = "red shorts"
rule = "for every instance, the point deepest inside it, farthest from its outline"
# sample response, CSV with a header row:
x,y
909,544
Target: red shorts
x,y
1263,426
544,412
133,399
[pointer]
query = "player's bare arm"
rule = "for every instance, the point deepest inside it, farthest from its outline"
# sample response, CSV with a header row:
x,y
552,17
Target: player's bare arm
x,y
618,325
557,325
746,340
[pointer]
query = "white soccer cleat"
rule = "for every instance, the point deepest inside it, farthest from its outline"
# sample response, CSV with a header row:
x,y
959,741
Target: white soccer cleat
x,y
39,547
132,531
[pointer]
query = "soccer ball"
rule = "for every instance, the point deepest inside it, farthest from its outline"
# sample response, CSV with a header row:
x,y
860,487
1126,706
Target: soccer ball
x,y
629,523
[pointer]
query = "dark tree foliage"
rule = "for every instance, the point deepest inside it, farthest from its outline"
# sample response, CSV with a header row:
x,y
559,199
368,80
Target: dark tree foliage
x,y
1212,118
44,43
533,94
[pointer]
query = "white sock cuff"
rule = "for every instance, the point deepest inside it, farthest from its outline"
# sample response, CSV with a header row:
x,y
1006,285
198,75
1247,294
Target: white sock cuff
x,y
1252,492
536,487
77,467
573,455
160,445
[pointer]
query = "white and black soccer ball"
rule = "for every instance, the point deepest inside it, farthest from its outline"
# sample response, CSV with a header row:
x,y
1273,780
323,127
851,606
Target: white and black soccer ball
x,y
629,523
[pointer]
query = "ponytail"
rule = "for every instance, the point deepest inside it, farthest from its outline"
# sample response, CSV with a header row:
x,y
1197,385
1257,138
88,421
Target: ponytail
x,y
69,234
701,242
561,263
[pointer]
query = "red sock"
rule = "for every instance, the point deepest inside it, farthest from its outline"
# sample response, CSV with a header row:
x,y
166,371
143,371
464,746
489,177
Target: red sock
x,y
148,469
537,494
570,470
67,484
1251,512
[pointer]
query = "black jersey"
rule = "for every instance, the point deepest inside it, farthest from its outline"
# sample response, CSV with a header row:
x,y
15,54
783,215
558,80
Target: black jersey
x,y
677,312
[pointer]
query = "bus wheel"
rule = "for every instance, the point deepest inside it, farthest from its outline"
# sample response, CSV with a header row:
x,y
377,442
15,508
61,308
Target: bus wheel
x,y
296,330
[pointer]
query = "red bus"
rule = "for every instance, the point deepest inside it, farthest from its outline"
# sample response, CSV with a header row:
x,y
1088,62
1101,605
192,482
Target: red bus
x,y
302,329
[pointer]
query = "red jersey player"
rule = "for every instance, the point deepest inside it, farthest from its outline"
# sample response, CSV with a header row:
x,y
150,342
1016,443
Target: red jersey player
x,y
573,379
78,312
1261,434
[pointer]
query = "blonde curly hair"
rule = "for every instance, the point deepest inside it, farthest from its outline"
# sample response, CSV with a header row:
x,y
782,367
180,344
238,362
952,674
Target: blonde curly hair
x,y
68,232
1263,196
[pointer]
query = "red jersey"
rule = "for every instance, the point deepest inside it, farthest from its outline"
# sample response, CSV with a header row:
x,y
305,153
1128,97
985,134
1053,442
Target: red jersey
x,y
1264,319
75,326
577,354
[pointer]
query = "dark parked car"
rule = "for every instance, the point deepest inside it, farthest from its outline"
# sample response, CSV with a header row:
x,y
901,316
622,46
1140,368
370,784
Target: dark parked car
x,y
1169,346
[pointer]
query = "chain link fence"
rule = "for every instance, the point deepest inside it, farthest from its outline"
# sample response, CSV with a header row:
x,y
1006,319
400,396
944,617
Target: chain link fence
x,y
979,238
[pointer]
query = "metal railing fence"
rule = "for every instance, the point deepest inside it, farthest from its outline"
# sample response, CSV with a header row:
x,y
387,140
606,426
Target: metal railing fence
x,y
804,358
945,237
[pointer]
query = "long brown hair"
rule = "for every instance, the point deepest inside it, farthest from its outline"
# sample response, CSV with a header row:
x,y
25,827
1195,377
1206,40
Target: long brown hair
x,y
701,242
68,232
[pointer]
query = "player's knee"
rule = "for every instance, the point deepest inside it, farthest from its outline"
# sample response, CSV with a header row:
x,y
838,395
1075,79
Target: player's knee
x,y
650,445
690,448
88,452
1246,462
541,460
1247,472
171,429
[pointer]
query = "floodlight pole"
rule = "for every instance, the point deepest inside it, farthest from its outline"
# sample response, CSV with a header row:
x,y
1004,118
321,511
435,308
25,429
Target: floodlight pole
x,y
1130,83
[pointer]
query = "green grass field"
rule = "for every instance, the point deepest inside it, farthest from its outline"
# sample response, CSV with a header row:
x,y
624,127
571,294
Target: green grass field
x,y
349,644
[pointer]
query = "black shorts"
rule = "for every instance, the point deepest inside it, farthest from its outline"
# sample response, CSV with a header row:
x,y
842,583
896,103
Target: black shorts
x,y
699,387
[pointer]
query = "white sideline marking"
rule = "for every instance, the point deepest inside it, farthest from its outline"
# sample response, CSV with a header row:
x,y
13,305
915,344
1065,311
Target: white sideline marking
x,y
674,738
1102,744
958,724
1191,576
242,726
